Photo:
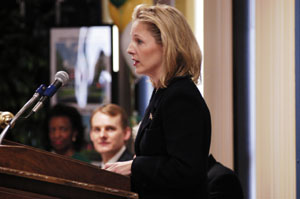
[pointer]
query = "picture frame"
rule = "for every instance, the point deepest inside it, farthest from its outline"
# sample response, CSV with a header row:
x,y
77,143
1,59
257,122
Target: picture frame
x,y
86,54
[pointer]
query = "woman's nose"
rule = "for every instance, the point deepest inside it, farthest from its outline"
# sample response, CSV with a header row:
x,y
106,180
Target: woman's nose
x,y
130,49
55,133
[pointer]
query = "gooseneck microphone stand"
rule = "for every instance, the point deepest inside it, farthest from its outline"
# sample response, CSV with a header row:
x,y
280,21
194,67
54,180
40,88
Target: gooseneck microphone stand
x,y
41,94
38,93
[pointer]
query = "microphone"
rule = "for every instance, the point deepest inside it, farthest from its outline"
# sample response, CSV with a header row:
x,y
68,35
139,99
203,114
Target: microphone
x,y
61,78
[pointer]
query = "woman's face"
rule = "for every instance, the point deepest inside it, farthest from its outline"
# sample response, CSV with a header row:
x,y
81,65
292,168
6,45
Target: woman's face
x,y
60,134
146,54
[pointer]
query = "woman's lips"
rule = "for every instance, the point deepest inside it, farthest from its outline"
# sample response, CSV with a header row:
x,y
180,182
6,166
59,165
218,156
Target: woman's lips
x,y
135,62
57,143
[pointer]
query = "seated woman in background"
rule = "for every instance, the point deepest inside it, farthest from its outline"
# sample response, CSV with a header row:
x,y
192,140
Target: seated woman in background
x,y
65,132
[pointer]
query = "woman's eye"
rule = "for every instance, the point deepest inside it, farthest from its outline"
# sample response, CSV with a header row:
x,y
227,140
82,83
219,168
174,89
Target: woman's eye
x,y
139,41
51,130
63,129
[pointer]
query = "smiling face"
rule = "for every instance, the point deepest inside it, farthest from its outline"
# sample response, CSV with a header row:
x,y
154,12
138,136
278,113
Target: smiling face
x,y
107,134
61,134
146,53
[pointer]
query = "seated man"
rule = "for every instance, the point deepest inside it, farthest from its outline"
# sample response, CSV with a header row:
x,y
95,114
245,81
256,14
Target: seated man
x,y
223,183
109,133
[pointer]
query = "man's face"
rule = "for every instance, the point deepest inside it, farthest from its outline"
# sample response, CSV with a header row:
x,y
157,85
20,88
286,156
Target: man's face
x,y
107,134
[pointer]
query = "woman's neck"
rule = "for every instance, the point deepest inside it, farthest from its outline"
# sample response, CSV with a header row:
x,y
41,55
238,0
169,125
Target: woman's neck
x,y
67,152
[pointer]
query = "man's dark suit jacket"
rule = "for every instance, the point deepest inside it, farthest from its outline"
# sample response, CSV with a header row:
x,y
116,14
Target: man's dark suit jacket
x,y
172,144
223,183
126,155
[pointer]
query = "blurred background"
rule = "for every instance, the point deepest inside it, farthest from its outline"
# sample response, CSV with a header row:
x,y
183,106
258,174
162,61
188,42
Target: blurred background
x,y
29,26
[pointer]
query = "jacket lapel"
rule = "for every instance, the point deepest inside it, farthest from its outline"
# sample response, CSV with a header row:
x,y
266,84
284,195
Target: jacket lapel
x,y
145,122
148,116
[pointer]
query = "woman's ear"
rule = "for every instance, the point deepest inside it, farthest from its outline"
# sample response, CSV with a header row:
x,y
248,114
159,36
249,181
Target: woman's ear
x,y
74,136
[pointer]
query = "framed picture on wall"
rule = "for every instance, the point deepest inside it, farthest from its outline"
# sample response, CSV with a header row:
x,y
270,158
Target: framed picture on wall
x,y
85,53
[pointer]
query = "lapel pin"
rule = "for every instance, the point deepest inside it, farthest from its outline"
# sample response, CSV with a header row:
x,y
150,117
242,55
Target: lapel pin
x,y
150,116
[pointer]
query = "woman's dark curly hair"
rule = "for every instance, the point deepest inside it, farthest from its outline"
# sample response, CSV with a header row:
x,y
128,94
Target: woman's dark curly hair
x,y
76,122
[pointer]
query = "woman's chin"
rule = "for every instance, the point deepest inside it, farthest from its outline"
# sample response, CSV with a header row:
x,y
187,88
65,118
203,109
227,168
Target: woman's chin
x,y
138,72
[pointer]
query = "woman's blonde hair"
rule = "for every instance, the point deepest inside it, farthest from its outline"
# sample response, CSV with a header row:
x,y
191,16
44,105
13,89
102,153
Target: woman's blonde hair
x,y
182,55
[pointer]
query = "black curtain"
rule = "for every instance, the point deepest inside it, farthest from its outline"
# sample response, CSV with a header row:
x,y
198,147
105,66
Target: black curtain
x,y
241,91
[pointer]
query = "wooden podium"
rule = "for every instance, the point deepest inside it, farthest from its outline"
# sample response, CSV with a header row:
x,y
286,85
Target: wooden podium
x,y
27,173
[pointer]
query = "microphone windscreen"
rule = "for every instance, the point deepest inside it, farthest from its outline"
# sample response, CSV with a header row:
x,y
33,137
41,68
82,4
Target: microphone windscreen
x,y
62,76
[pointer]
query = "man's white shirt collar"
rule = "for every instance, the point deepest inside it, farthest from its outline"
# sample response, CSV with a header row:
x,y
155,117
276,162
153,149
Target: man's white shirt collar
x,y
116,157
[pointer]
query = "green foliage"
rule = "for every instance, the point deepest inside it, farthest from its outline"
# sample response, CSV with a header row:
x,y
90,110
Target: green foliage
x,y
24,65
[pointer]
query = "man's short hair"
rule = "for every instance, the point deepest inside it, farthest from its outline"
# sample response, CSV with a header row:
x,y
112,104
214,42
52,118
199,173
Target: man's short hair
x,y
112,110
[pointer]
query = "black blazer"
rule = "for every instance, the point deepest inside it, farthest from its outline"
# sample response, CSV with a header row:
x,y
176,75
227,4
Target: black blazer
x,y
126,155
172,144
223,183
